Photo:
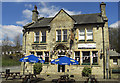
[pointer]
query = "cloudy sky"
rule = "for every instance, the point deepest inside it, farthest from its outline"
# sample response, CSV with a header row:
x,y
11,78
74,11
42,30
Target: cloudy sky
x,y
17,14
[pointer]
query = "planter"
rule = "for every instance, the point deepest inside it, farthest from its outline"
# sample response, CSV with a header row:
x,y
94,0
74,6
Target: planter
x,y
85,63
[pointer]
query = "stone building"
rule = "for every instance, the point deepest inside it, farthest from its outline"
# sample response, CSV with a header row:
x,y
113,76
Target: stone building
x,y
83,37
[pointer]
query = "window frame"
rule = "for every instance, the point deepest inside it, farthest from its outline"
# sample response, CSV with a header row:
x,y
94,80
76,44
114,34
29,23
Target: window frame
x,y
41,40
90,34
81,34
35,36
61,35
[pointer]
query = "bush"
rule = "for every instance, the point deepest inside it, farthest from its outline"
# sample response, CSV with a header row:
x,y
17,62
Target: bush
x,y
86,71
37,68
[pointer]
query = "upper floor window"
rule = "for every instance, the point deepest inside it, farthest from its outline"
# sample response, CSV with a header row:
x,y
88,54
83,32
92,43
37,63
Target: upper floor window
x,y
64,35
61,35
43,36
36,40
58,35
89,35
40,36
81,35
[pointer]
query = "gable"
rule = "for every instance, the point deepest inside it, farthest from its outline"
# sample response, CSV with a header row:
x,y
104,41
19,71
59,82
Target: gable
x,y
62,16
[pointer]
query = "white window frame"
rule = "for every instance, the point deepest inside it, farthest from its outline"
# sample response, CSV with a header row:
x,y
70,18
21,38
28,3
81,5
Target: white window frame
x,y
93,56
81,34
89,34
64,35
36,36
42,35
58,35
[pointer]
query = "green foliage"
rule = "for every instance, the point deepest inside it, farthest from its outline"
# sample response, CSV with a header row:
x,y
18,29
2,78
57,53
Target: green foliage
x,y
37,68
86,71
10,61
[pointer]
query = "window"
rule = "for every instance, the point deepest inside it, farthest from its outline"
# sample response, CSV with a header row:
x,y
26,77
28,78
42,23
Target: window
x,y
36,40
64,35
58,35
115,61
77,56
81,35
46,57
61,34
89,35
40,54
32,52
43,36
86,58
94,58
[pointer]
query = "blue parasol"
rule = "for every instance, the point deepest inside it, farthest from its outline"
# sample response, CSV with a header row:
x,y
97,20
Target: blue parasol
x,y
32,58
65,61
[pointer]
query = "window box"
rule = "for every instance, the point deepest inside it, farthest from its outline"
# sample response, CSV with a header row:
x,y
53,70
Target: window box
x,y
81,40
36,42
90,40
94,63
58,41
42,42
46,63
85,63
64,41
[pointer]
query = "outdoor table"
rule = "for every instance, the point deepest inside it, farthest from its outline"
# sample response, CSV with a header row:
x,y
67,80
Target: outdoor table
x,y
1,73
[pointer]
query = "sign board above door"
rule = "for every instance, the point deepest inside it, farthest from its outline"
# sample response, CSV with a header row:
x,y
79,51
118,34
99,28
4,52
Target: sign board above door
x,y
87,46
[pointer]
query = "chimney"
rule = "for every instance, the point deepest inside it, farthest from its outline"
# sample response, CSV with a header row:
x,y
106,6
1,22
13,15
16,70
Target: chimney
x,y
35,14
102,9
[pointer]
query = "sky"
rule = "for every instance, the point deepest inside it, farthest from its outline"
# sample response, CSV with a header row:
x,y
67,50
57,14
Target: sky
x,y
16,14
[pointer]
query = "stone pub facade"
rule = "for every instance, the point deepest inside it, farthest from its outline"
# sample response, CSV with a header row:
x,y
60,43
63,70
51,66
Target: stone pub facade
x,y
83,37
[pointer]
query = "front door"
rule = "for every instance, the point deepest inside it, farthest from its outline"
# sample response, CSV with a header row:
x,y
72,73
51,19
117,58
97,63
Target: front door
x,y
61,68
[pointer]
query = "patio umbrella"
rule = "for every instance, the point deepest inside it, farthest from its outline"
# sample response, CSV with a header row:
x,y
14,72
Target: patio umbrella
x,y
32,59
65,61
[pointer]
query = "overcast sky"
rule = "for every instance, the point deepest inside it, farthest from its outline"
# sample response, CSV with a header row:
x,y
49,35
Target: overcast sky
x,y
17,14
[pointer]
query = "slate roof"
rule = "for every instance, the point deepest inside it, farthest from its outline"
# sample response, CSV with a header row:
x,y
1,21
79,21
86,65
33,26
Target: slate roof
x,y
80,19
113,53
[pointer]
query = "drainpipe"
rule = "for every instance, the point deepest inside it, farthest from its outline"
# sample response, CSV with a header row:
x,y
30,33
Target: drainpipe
x,y
103,53
107,67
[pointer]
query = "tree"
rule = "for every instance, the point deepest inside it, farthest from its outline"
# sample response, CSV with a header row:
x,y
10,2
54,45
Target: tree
x,y
17,41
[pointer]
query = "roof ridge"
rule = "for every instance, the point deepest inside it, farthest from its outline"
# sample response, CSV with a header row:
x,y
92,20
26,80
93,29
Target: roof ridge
x,y
86,14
